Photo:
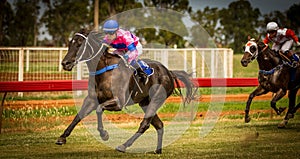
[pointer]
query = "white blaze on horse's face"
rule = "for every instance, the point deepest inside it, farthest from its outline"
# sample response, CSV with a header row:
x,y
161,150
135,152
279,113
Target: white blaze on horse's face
x,y
251,48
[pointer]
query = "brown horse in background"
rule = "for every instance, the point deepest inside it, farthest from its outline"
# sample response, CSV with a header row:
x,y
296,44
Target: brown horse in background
x,y
274,76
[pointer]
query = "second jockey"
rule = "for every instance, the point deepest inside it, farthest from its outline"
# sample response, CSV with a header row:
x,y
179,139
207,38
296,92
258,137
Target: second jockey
x,y
282,39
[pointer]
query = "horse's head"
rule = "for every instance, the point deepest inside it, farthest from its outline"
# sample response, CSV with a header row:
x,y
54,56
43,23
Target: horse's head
x,y
74,44
250,52
252,49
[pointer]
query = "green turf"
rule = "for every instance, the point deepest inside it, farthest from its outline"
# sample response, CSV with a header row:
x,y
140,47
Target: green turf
x,y
228,139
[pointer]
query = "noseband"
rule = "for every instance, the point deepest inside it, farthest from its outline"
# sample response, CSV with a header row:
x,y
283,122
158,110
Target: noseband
x,y
87,44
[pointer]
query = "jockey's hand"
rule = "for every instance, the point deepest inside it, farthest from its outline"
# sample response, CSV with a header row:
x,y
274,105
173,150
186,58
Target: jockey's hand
x,y
126,56
298,44
111,50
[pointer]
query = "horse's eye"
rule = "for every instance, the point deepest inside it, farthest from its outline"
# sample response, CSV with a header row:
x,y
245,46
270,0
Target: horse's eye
x,y
252,49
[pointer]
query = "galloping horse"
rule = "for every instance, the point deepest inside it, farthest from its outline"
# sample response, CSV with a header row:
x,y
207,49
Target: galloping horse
x,y
113,85
274,76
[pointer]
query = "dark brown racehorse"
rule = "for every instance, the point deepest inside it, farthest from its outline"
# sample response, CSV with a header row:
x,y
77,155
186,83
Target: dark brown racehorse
x,y
274,76
112,86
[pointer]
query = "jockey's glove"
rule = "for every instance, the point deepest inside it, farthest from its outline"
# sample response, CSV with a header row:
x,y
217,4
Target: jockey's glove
x,y
298,43
126,56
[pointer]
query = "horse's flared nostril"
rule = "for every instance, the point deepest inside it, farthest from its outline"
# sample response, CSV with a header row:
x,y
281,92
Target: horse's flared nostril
x,y
63,63
67,65
244,63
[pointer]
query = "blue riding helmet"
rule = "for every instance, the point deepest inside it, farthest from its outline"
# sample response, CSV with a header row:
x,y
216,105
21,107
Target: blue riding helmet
x,y
110,26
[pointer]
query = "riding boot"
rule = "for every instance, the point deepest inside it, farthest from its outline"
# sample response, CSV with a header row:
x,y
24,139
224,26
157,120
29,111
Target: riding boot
x,y
145,67
142,70
294,58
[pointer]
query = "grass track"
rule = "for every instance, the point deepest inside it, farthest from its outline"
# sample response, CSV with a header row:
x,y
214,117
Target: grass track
x,y
229,139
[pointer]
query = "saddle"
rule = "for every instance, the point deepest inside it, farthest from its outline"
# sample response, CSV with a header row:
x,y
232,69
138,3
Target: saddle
x,y
292,60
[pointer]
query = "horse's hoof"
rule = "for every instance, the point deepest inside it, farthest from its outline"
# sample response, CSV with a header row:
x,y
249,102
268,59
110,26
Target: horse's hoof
x,y
280,110
158,151
247,119
61,141
282,124
104,135
121,148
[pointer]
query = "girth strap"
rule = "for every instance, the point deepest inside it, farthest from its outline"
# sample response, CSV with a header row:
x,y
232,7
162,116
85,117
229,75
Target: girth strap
x,y
105,69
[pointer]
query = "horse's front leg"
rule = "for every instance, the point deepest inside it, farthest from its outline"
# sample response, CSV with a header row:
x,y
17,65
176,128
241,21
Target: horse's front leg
x,y
257,92
111,105
88,106
103,133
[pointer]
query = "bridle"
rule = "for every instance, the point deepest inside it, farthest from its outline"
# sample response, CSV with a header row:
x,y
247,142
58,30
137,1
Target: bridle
x,y
101,52
254,54
79,34
87,44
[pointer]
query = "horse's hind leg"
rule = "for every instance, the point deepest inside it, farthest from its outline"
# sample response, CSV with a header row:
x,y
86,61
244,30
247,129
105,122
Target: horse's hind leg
x,y
292,103
158,98
88,106
296,108
292,109
279,94
157,123
159,126
145,124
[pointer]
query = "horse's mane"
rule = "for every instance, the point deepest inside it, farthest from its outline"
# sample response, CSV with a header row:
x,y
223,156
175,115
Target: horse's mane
x,y
261,45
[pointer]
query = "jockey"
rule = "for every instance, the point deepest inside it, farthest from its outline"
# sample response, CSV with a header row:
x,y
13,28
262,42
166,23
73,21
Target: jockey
x,y
282,39
126,44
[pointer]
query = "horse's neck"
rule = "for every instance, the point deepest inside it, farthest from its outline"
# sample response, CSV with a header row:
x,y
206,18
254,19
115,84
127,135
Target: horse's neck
x,y
267,63
92,65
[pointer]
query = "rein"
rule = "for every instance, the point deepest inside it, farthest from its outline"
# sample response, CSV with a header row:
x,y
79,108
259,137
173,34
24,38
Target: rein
x,y
264,48
105,69
270,72
79,60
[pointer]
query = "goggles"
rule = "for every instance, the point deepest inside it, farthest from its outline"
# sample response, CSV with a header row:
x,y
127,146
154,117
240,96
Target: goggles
x,y
271,31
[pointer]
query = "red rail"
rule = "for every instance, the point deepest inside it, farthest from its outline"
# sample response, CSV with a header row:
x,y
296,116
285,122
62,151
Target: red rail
x,y
69,85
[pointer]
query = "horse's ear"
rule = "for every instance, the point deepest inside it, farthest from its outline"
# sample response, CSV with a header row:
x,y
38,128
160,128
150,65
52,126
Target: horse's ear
x,y
82,30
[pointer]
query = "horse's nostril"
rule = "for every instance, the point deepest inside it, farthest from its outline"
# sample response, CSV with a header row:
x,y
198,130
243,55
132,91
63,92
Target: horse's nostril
x,y
244,63
64,63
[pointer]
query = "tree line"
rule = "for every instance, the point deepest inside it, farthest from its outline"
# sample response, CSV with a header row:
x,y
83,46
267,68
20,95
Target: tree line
x,y
21,20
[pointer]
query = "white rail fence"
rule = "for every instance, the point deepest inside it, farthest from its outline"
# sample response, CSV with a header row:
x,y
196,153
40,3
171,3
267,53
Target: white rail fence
x,y
36,63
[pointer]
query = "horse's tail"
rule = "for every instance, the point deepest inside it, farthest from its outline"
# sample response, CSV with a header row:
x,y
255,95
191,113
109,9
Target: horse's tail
x,y
189,85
